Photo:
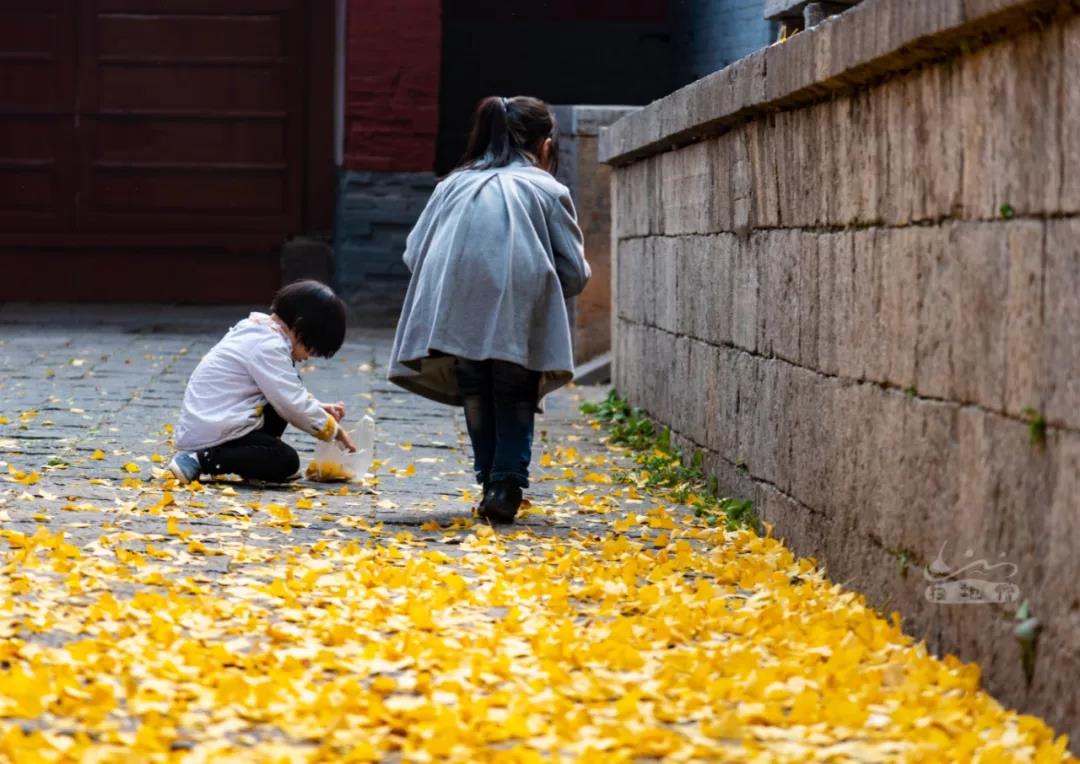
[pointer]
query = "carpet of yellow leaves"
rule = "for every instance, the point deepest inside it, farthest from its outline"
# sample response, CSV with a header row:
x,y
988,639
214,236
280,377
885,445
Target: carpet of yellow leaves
x,y
657,639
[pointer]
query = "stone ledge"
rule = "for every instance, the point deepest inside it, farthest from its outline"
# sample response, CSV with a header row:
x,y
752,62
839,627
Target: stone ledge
x,y
865,44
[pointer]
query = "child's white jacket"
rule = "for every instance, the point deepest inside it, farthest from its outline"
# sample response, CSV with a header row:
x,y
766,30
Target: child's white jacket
x,y
250,367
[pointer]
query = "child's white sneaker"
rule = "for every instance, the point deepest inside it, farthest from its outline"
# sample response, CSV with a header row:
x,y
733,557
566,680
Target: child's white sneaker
x,y
185,466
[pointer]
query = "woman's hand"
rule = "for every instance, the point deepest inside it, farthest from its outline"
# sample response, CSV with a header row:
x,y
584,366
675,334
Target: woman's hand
x,y
336,410
345,441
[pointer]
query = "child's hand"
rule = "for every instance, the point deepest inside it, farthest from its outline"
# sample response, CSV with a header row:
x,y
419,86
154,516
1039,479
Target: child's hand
x,y
343,438
336,410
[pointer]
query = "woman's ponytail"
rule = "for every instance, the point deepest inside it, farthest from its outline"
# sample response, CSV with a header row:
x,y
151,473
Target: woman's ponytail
x,y
506,129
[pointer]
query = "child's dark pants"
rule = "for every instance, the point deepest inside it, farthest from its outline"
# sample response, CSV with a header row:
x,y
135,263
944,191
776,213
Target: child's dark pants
x,y
259,455
500,398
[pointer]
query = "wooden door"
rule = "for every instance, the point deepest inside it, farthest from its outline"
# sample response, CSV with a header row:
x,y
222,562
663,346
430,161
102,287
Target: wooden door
x,y
139,132
37,115
190,116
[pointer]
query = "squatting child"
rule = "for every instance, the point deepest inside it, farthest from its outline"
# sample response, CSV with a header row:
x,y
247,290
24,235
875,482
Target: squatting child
x,y
246,389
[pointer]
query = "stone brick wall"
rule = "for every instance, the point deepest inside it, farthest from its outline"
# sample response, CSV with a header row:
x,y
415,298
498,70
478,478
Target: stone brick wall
x,y
376,212
707,35
590,185
392,63
392,84
848,272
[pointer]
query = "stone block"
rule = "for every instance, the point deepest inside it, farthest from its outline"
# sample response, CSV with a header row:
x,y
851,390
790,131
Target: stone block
x,y
666,283
703,406
631,280
1005,488
851,462
778,290
741,174
939,278
647,286
809,306
766,398
1061,338
745,299
663,383
710,287
978,343
1063,536
764,168
635,371
1012,156
826,309
819,446
688,200
724,155
802,165
644,373
898,250
844,304
886,456
685,399
867,332
855,121
746,371
899,160
636,198
1024,317
934,118
722,426
791,388
1070,117
692,278
623,354
720,254
927,490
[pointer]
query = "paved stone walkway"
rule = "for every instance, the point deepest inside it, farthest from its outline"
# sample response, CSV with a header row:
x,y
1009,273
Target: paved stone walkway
x,y
112,381
144,621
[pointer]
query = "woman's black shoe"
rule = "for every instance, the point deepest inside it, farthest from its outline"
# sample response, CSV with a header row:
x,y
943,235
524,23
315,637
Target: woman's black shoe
x,y
501,501
484,498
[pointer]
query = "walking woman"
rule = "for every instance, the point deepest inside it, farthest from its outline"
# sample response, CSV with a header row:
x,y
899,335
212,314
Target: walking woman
x,y
493,257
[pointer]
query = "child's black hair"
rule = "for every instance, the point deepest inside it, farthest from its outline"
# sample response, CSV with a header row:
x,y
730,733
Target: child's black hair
x,y
314,313
505,129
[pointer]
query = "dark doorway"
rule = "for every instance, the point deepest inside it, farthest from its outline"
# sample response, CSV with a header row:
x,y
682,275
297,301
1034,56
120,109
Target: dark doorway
x,y
564,51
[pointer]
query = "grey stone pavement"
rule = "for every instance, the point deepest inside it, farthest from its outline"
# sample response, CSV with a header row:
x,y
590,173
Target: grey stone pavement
x,y
80,379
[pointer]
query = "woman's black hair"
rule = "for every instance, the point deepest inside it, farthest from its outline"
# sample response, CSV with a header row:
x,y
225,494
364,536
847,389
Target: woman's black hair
x,y
314,313
506,129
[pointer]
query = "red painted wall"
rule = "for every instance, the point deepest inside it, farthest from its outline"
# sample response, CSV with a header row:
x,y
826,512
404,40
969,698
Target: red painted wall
x,y
392,65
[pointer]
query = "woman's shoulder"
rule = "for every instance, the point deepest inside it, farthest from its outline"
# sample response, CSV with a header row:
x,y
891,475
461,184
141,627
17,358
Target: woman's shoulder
x,y
520,171
540,181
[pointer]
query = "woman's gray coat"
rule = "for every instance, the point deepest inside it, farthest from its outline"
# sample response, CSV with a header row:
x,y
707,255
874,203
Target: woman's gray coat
x,y
493,257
